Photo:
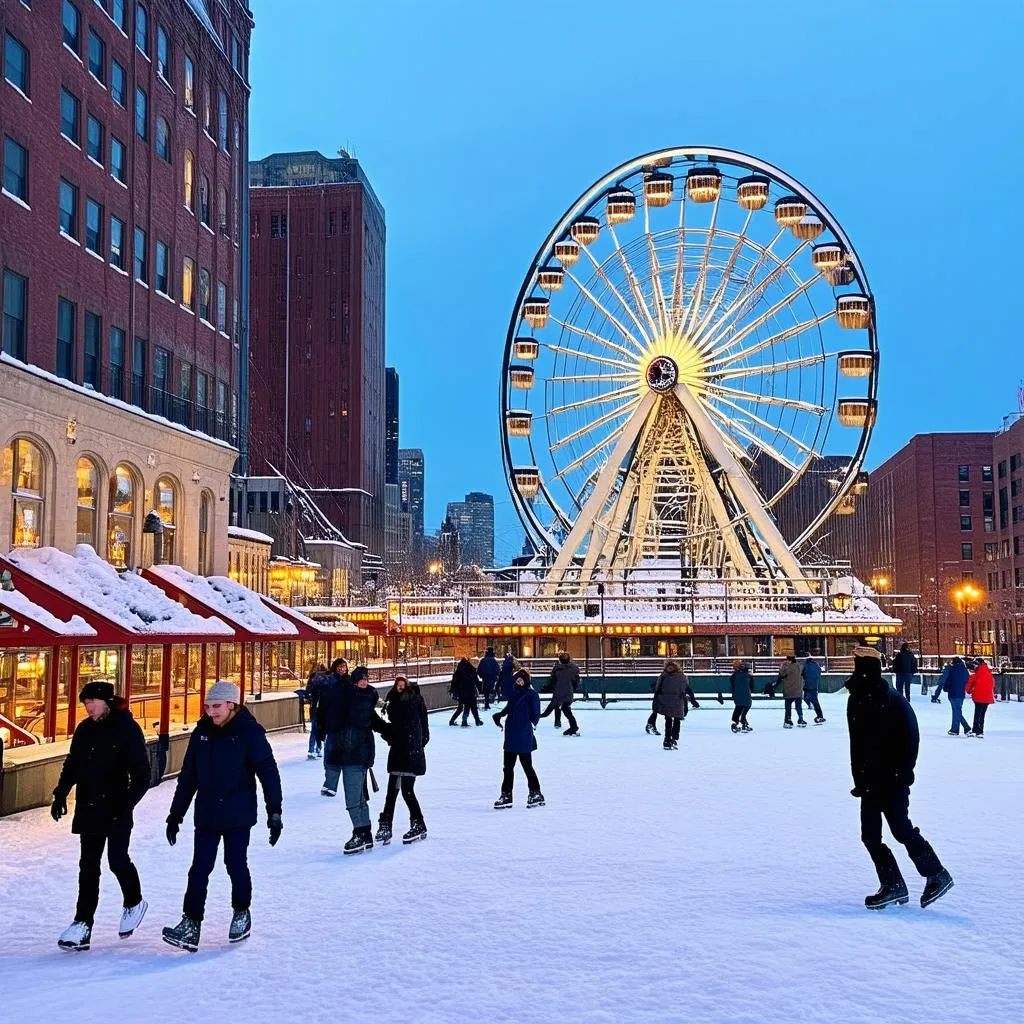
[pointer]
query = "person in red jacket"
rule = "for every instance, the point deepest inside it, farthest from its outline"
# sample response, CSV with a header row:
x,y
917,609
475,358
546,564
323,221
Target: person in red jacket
x,y
982,688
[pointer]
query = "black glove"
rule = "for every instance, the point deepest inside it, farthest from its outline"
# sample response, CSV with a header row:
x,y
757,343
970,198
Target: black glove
x,y
59,807
276,827
172,831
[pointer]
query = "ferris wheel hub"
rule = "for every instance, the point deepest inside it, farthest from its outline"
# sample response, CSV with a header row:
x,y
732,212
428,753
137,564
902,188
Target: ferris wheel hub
x,y
662,374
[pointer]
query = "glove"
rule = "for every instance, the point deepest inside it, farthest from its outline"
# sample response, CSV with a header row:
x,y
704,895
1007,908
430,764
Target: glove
x,y
276,828
856,792
59,807
172,831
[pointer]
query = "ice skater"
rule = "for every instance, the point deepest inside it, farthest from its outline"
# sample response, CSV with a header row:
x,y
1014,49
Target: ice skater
x,y
955,687
227,752
884,740
740,685
464,688
108,765
523,714
792,691
904,665
670,701
982,688
407,733
329,695
811,674
318,679
565,680
488,670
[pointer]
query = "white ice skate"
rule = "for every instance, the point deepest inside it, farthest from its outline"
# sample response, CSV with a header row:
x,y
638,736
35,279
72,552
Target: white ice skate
x,y
131,918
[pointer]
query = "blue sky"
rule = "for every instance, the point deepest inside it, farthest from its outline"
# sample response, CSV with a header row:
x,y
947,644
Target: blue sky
x,y
479,123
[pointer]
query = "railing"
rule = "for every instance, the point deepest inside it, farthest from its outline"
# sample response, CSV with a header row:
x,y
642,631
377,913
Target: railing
x,y
182,411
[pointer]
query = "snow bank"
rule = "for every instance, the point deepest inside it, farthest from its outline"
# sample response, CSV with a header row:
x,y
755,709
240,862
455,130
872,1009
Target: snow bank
x,y
125,598
26,611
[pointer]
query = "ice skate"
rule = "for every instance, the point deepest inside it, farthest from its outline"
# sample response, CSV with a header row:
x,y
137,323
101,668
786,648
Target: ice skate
x,y
801,724
936,886
735,727
327,791
667,745
184,935
241,925
131,918
417,832
311,756
503,801
496,718
652,730
361,840
787,725
535,799
76,937
746,728
572,732
819,720
383,835
889,894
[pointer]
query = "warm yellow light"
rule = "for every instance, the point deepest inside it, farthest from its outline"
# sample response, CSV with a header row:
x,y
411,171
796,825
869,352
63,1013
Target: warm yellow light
x,y
434,568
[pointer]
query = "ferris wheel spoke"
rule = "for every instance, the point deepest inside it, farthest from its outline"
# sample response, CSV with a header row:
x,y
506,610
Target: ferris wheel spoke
x,y
702,276
583,403
584,377
747,396
771,427
767,369
726,275
601,421
640,345
679,273
782,336
733,426
583,332
589,356
589,454
656,287
634,284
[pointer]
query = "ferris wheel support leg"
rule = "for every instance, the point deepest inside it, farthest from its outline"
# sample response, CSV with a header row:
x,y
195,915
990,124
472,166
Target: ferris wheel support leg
x,y
742,487
600,495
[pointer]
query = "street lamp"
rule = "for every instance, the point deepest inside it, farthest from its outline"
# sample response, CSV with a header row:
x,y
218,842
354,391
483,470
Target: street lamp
x,y
880,583
967,596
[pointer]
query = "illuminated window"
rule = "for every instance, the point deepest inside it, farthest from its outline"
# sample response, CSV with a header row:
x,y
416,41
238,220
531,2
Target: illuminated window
x,y
190,174
163,499
88,484
204,535
23,469
121,518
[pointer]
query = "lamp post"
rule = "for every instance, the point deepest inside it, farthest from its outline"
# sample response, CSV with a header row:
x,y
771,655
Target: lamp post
x,y
967,596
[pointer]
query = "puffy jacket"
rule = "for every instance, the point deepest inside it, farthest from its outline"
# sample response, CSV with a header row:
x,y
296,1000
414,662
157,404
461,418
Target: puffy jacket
x,y
464,682
109,765
488,670
956,681
347,721
565,678
741,684
318,682
669,694
791,679
523,714
982,685
506,681
407,731
904,664
220,770
811,675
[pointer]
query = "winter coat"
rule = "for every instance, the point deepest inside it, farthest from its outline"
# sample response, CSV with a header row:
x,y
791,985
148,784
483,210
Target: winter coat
x,y
669,694
565,679
347,721
904,664
811,675
791,679
109,765
488,670
407,731
523,713
506,680
884,737
464,683
318,682
741,684
220,770
956,681
982,686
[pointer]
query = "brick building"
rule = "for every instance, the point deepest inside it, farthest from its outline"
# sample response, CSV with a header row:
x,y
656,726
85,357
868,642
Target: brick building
x,y
317,391
1000,620
123,256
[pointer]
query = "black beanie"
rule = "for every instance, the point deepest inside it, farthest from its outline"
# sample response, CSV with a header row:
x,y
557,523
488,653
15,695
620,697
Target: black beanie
x,y
360,673
98,690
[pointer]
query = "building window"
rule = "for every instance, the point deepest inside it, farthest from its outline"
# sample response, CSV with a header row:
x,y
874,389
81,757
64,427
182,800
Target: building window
x,y
87,480
190,171
986,474
121,517
15,169
118,165
72,28
163,261
964,474
965,523
990,524
68,209
188,284
91,350
117,363
141,254
118,257
967,552
1014,463
991,552
15,306
222,119
278,225
222,209
207,113
118,84
26,462
204,295
185,382
163,54
66,339
141,113
16,64
164,501
204,200
139,373
94,226
163,140
70,116
94,138
161,369
222,307
97,57
1002,470
142,28
190,85
965,499
204,534
119,14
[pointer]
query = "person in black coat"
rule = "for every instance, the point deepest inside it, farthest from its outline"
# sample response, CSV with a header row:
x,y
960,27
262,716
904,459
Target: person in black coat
x,y
489,670
464,688
407,733
328,688
884,741
109,766
318,679
227,752
523,712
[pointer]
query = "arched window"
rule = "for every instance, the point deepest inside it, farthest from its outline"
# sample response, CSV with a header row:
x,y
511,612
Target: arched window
x,y
205,513
164,502
190,174
204,200
88,488
163,139
121,518
222,209
24,469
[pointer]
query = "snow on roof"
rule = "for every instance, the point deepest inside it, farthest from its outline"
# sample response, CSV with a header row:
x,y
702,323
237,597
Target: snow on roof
x,y
337,626
238,604
126,598
28,612
107,400
243,534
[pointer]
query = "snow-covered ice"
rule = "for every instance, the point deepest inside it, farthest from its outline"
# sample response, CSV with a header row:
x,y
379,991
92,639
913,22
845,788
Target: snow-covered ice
x,y
720,883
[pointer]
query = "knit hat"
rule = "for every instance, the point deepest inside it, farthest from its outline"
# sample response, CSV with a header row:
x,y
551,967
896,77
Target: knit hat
x,y
867,652
222,690
98,690
360,673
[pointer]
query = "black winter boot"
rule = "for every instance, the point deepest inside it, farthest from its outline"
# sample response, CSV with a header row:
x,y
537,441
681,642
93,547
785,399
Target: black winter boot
x,y
535,799
383,831
362,839
184,935
417,831
503,801
892,887
936,885
241,925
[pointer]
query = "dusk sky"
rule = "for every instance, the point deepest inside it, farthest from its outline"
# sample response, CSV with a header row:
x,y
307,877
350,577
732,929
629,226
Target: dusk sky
x,y
478,125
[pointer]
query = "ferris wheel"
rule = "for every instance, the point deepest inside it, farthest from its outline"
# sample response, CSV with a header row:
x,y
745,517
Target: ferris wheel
x,y
694,336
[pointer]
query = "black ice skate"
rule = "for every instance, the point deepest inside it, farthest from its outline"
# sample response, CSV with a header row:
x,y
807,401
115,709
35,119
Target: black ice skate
x,y
889,894
241,925
417,831
735,727
787,725
503,801
746,728
819,720
76,937
383,835
652,730
535,799
801,724
936,886
184,935
572,732
362,839
325,791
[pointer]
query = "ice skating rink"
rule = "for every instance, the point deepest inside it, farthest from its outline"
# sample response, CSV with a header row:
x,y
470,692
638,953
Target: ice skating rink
x,y
722,882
